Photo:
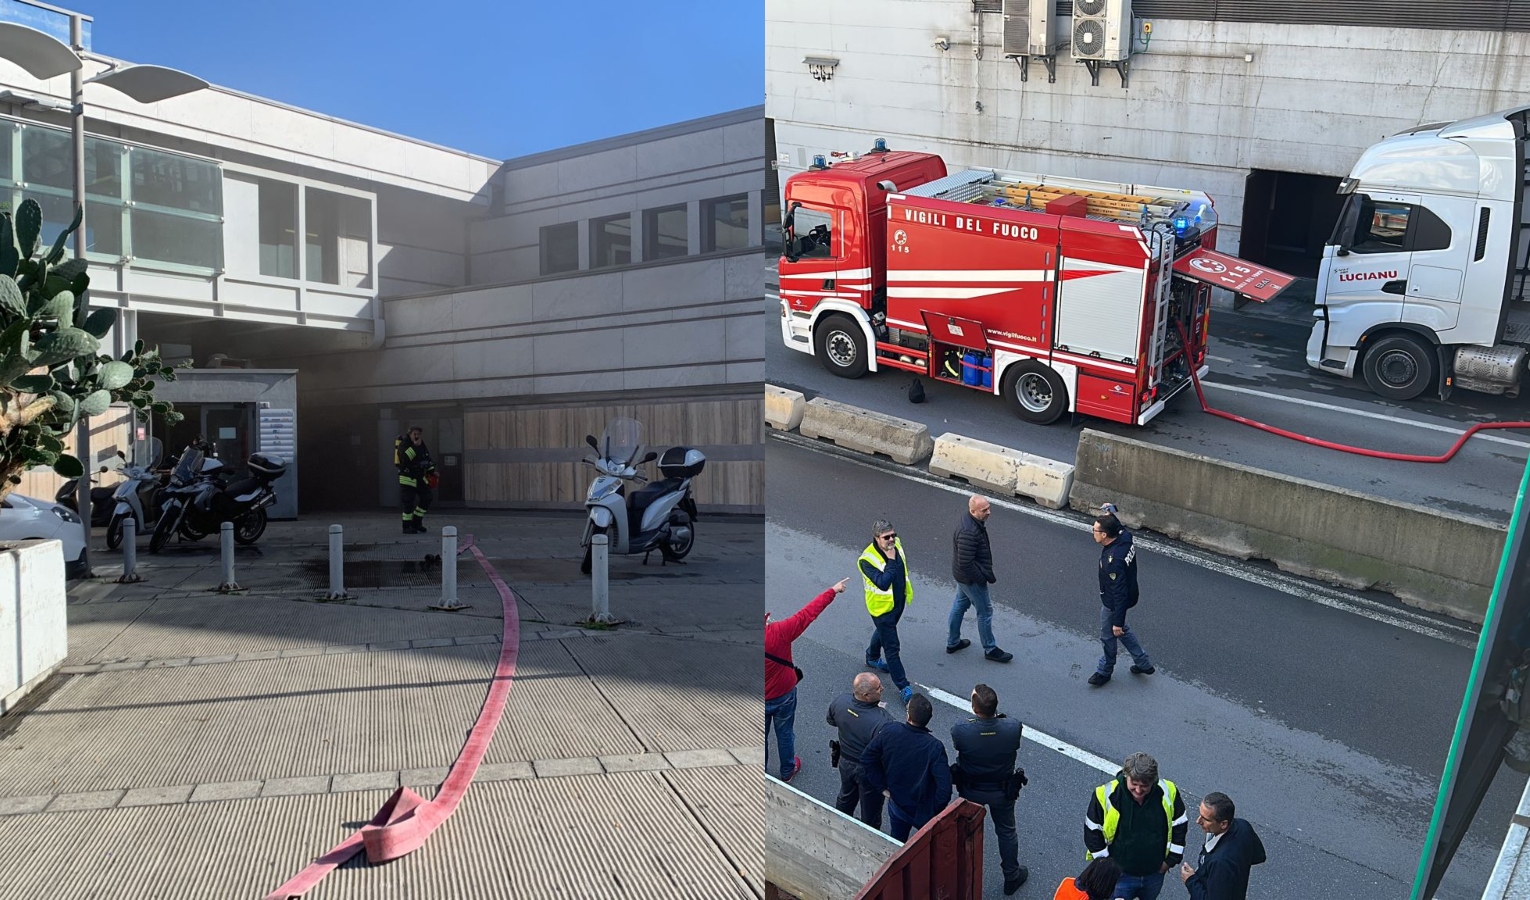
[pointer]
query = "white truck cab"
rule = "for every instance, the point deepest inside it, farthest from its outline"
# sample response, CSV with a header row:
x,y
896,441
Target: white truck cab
x,y
1422,285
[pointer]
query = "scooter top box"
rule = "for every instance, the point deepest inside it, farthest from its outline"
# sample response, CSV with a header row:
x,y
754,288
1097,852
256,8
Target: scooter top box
x,y
681,462
268,466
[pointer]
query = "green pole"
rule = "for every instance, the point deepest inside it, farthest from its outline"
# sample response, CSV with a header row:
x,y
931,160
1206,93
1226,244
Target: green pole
x,y
1512,549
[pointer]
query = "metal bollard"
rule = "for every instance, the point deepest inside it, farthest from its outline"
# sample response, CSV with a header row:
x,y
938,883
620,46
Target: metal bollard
x,y
337,564
226,539
129,552
449,571
600,581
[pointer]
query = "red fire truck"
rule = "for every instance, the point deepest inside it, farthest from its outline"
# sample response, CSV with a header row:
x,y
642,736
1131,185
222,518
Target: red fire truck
x,y
1064,295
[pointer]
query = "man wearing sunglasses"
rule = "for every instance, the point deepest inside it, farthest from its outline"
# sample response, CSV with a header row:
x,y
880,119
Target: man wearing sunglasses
x,y
889,590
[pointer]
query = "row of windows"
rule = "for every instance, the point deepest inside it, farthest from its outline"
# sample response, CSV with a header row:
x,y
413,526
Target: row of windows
x,y
336,245
666,235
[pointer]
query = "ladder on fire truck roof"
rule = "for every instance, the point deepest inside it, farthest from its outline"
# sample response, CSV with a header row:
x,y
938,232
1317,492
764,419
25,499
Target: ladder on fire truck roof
x,y
1106,200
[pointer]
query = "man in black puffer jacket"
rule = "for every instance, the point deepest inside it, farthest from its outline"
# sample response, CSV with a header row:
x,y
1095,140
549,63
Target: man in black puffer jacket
x,y
972,568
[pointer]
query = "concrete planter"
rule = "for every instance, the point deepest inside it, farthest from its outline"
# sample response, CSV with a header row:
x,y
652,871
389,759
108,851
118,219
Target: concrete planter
x,y
34,635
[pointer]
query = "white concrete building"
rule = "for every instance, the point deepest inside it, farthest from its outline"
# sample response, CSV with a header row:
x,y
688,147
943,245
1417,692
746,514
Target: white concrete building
x,y
1262,104
408,282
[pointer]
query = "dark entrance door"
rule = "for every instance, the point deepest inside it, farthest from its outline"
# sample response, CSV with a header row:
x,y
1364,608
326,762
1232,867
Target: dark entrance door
x,y
1287,218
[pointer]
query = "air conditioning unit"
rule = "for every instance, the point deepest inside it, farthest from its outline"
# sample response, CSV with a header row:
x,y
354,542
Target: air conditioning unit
x,y
1028,28
1102,30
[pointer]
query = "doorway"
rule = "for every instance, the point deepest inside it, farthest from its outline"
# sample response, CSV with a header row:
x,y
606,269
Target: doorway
x,y
1287,218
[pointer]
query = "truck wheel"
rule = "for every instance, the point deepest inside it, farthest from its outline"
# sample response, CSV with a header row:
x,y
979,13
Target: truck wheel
x,y
1399,366
841,346
1036,392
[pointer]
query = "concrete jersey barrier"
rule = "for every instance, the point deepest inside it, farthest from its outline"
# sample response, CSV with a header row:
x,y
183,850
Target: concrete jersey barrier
x,y
783,408
1002,469
1432,560
867,431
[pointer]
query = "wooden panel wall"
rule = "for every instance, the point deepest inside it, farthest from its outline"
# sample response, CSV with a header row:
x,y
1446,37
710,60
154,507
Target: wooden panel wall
x,y
734,485
108,434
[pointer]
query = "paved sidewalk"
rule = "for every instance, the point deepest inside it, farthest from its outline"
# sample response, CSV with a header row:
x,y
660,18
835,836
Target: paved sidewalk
x,y
206,745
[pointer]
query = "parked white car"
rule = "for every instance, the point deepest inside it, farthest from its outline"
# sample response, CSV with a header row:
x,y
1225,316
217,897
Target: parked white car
x,y
27,518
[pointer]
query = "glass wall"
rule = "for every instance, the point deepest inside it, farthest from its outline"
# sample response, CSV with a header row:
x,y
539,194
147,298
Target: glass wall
x,y
560,248
611,241
143,204
278,228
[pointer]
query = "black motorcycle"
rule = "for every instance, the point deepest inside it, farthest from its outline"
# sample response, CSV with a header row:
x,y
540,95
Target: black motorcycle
x,y
197,501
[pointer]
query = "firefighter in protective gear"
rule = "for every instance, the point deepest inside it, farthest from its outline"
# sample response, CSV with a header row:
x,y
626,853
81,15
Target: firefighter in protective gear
x,y
416,478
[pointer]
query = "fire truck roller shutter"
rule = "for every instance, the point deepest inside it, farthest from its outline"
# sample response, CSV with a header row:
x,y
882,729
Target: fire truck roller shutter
x,y
1038,392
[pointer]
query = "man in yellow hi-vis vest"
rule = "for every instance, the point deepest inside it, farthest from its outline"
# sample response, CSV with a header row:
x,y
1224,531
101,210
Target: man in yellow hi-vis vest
x,y
889,589
1139,821
416,478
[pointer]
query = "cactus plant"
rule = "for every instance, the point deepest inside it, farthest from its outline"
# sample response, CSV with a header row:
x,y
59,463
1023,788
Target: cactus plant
x,y
51,369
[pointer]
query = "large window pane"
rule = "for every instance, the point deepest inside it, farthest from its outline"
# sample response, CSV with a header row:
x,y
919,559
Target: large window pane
x,y
45,158
103,224
278,229
611,241
560,248
175,239
664,233
174,181
338,246
725,223
46,161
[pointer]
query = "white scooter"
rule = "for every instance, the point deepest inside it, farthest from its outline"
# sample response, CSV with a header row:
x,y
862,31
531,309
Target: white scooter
x,y
139,486
660,516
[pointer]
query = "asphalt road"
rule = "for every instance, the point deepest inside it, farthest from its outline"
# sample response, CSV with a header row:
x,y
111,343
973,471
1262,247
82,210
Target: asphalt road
x,y
1258,370
1329,728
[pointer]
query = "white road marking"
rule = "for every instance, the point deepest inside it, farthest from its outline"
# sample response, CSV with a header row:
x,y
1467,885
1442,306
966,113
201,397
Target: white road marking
x,y
1315,404
1276,581
1217,359
1034,735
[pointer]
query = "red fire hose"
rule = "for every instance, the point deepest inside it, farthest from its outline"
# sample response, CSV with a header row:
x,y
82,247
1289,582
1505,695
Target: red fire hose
x,y
1319,442
407,819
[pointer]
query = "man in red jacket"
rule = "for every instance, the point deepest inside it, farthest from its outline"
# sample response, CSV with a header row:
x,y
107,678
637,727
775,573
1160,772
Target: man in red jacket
x,y
782,675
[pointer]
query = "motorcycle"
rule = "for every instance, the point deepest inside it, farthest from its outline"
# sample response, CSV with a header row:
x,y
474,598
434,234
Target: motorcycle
x,y
100,497
197,502
137,497
659,516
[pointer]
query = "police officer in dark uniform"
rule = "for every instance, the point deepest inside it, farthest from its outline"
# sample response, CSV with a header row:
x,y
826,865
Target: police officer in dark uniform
x,y
858,715
984,772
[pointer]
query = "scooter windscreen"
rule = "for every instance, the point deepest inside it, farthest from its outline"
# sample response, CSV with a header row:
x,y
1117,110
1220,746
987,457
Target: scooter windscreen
x,y
622,441
146,454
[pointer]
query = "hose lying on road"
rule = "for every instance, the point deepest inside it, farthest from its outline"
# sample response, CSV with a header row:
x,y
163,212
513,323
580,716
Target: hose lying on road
x,y
1331,445
407,819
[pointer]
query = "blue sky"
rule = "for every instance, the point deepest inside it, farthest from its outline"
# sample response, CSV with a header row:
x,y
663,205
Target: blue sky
x,y
501,79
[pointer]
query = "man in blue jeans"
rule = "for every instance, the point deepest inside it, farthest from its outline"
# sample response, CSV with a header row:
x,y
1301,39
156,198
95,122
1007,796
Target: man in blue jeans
x,y
1138,820
889,590
972,567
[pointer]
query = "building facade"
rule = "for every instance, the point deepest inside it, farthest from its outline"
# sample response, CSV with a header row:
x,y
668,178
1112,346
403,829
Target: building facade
x,y
508,307
1264,105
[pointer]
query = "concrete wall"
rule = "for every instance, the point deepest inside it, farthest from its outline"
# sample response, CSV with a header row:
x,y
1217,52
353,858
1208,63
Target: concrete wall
x,y
687,163
665,325
34,637
1196,115
1432,560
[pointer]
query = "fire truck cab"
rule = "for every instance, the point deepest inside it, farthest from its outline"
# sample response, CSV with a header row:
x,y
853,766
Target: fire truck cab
x,y
1061,294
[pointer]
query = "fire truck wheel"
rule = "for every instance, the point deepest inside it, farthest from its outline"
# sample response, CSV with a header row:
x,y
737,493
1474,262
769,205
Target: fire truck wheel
x,y
841,346
1036,391
1399,366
